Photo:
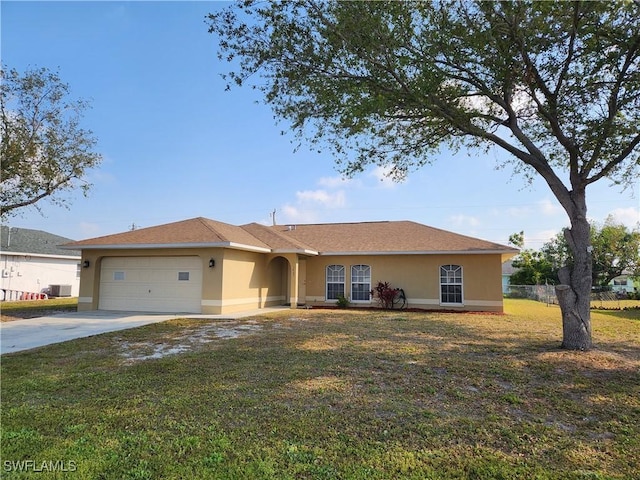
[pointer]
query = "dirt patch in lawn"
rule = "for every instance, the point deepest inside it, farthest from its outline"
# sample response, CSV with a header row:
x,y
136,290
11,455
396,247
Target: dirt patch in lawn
x,y
189,340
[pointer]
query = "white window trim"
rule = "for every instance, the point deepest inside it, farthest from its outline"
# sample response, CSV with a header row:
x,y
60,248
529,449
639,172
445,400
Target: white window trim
x,y
351,282
326,282
440,284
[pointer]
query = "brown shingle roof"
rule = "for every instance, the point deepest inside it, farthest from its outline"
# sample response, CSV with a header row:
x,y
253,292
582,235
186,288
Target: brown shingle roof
x,y
276,238
348,238
196,231
385,237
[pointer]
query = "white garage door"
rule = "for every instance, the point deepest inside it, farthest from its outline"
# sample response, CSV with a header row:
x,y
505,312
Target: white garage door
x,y
151,284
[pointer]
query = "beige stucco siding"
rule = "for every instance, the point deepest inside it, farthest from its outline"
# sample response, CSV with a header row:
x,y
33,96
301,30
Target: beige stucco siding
x,y
256,280
251,280
244,281
418,275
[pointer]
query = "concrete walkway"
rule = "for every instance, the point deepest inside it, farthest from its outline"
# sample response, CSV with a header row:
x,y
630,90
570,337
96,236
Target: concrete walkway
x,y
37,332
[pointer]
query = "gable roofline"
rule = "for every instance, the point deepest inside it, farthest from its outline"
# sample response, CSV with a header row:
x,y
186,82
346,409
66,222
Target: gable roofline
x,y
192,233
279,242
387,238
148,246
363,238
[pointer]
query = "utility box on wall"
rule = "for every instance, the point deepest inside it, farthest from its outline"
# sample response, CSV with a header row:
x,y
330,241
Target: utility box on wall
x,y
60,290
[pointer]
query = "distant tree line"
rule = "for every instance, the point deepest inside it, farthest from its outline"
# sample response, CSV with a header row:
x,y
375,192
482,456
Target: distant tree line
x,y
616,250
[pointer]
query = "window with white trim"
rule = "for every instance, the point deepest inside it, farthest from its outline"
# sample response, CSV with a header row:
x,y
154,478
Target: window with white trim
x,y
451,284
183,276
360,283
335,281
118,276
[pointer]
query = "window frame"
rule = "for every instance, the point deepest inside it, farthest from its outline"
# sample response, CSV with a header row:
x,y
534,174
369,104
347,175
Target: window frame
x,y
333,280
353,283
451,278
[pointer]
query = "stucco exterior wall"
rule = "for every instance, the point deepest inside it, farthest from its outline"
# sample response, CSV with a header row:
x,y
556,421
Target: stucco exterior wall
x,y
419,276
251,280
244,285
243,280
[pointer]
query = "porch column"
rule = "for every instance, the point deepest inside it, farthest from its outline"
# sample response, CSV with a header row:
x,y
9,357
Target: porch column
x,y
293,284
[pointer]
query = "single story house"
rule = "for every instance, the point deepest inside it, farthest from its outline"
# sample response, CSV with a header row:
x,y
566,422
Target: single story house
x,y
625,284
32,262
210,267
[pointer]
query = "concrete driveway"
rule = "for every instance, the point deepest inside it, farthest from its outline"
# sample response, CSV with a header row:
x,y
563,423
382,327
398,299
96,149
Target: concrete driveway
x,y
36,332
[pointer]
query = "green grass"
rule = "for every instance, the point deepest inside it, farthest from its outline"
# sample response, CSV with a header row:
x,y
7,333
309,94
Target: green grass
x,y
333,394
34,308
615,304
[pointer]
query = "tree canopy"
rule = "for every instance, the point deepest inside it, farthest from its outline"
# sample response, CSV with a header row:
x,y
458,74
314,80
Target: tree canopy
x,y
616,251
555,85
45,152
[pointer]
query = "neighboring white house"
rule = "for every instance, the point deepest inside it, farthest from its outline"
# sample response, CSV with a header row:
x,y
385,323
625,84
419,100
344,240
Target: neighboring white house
x,y
507,270
625,283
31,262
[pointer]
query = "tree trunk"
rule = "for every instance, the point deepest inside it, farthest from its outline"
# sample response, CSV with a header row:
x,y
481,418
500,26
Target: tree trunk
x,y
574,291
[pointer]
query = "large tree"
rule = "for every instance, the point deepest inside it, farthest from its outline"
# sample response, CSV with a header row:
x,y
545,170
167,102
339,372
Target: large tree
x,y
556,85
44,152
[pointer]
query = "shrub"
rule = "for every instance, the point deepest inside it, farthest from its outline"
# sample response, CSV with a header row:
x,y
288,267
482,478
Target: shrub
x,y
385,294
342,301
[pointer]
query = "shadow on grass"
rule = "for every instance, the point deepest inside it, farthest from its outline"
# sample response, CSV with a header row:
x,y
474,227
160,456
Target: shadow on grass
x,y
629,314
395,395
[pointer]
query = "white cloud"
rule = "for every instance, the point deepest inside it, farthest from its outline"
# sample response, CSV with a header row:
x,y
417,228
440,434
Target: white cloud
x,y
461,219
549,207
518,212
382,175
539,238
322,197
629,216
292,214
545,207
334,182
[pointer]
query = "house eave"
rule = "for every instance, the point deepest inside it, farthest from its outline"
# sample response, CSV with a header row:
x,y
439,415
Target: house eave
x,y
155,246
299,251
424,252
43,255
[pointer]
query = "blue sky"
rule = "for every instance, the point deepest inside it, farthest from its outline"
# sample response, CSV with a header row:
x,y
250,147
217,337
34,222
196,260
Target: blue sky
x,y
176,145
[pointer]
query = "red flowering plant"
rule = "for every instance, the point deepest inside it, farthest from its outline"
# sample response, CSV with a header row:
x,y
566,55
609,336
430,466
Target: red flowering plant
x,y
387,295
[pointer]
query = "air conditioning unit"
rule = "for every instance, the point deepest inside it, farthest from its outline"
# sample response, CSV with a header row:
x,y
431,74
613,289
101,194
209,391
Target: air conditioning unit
x,y
60,290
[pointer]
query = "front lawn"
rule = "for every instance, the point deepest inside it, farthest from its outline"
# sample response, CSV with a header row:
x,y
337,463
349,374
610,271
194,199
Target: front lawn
x,y
331,394
18,310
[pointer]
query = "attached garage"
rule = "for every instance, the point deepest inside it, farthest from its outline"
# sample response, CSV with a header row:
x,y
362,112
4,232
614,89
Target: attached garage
x,y
151,284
